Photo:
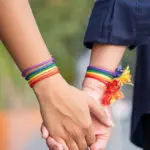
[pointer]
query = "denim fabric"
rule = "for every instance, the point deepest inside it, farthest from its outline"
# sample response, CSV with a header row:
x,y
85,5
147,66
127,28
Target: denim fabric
x,y
118,22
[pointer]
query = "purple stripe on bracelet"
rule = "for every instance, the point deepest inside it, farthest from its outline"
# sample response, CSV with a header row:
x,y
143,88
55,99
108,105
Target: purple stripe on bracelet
x,y
35,66
103,70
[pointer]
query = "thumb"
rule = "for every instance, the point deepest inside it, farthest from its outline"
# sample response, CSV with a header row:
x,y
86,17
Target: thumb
x,y
44,132
100,112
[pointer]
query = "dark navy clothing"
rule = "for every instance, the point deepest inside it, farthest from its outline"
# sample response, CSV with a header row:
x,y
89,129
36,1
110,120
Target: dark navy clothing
x,y
141,103
118,22
146,131
126,22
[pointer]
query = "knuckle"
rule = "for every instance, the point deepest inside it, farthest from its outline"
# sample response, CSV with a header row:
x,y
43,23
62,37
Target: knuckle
x,y
64,137
71,146
83,145
91,140
78,132
55,147
86,126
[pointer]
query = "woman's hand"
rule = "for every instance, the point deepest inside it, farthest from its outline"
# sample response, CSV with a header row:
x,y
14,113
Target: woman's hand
x,y
65,112
101,131
96,90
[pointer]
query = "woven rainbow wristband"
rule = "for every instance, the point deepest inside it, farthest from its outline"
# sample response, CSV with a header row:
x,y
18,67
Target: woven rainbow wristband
x,y
113,82
42,73
25,71
99,74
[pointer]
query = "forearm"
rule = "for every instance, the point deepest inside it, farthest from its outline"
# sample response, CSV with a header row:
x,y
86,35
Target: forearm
x,y
20,33
106,56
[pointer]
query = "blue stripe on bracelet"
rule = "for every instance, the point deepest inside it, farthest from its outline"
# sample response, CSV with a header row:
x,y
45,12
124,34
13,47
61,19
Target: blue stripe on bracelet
x,y
39,70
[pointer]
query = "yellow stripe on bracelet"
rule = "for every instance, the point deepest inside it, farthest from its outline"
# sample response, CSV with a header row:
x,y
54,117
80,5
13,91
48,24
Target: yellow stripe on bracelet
x,y
43,74
100,76
49,74
34,77
40,72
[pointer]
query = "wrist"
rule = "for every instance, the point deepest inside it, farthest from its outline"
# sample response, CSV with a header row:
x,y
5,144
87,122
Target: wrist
x,y
50,83
112,83
106,56
94,88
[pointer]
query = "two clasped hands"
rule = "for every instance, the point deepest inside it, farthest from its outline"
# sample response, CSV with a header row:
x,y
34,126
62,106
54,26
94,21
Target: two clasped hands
x,y
75,119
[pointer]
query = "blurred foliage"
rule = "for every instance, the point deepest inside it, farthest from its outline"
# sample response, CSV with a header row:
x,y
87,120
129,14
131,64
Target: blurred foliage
x,y
62,24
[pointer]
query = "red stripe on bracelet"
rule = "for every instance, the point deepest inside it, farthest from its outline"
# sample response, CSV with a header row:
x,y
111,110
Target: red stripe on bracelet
x,y
41,74
43,77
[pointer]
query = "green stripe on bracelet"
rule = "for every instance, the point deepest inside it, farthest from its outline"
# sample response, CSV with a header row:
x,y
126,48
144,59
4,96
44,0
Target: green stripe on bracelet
x,y
98,72
40,70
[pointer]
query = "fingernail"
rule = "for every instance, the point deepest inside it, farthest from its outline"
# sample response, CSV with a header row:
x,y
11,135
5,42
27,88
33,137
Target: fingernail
x,y
111,123
107,112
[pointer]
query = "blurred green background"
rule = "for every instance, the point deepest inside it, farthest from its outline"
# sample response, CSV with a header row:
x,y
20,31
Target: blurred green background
x,y
62,24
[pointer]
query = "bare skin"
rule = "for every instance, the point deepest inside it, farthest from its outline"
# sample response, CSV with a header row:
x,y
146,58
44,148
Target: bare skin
x,y
103,56
23,40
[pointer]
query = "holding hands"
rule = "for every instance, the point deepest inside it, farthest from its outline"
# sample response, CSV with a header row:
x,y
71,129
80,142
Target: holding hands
x,y
101,121
66,113
72,119
100,87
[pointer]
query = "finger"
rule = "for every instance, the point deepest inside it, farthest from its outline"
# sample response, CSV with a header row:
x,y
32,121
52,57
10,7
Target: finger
x,y
90,136
53,144
100,113
82,144
101,142
63,143
99,145
44,132
71,144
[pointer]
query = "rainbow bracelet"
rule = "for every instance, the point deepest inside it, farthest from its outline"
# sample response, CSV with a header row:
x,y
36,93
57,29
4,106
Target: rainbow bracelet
x,y
42,73
25,71
112,80
99,74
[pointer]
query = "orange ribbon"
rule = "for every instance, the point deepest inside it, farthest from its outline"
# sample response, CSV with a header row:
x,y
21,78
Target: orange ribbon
x,y
112,93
